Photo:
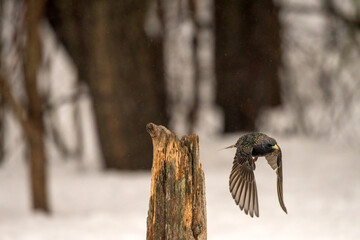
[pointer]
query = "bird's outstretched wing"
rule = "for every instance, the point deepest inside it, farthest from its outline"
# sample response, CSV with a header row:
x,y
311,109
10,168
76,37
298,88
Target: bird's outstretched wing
x,y
243,186
275,161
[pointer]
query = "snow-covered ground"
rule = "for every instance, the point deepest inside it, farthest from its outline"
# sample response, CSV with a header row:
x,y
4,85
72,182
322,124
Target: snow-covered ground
x,y
321,191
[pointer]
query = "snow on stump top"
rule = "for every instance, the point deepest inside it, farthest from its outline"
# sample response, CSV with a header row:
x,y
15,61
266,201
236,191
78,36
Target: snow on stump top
x,y
177,207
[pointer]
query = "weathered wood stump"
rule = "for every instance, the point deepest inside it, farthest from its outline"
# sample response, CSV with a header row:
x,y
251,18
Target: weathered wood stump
x,y
177,207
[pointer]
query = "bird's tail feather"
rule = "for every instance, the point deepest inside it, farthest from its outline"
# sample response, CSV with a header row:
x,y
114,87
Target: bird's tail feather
x,y
232,146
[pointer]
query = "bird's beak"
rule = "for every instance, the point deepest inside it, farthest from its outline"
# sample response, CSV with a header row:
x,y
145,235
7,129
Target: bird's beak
x,y
275,147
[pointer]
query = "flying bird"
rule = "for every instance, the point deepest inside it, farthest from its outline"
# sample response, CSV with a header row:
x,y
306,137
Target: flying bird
x,y
242,180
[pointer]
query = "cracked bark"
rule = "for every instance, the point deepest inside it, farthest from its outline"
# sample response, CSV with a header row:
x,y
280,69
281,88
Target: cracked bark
x,y
177,206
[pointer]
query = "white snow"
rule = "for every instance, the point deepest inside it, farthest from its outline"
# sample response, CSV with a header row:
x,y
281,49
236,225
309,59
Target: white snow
x,y
321,191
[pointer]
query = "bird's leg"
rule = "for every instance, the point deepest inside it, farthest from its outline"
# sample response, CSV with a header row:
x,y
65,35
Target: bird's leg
x,y
255,159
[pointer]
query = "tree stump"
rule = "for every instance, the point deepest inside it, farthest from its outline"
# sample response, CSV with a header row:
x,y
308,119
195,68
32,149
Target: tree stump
x,y
177,207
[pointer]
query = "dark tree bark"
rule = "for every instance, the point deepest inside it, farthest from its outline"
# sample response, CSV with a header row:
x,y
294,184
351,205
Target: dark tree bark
x,y
2,102
177,207
248,58
123,69
35,137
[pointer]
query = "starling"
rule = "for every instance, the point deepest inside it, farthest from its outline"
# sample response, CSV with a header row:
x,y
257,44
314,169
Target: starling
x,y
242,180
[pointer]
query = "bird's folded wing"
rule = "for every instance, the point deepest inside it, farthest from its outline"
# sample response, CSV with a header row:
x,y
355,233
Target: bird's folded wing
x,y
272,159
280,187
243,186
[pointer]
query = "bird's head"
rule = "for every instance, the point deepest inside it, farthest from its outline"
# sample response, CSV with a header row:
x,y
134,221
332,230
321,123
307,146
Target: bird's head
x,y
265,146
269,144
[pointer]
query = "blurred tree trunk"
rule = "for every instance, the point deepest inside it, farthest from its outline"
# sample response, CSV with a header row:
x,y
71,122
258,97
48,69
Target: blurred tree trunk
x,y
248,59
123,69
30,117
32,60
35,137
2,102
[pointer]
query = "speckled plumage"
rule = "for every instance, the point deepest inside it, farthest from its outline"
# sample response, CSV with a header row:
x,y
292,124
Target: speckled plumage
x,y
242,182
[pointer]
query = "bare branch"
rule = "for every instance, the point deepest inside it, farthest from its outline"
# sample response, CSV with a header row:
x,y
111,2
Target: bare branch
x,y
19,111
70,99
332,10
